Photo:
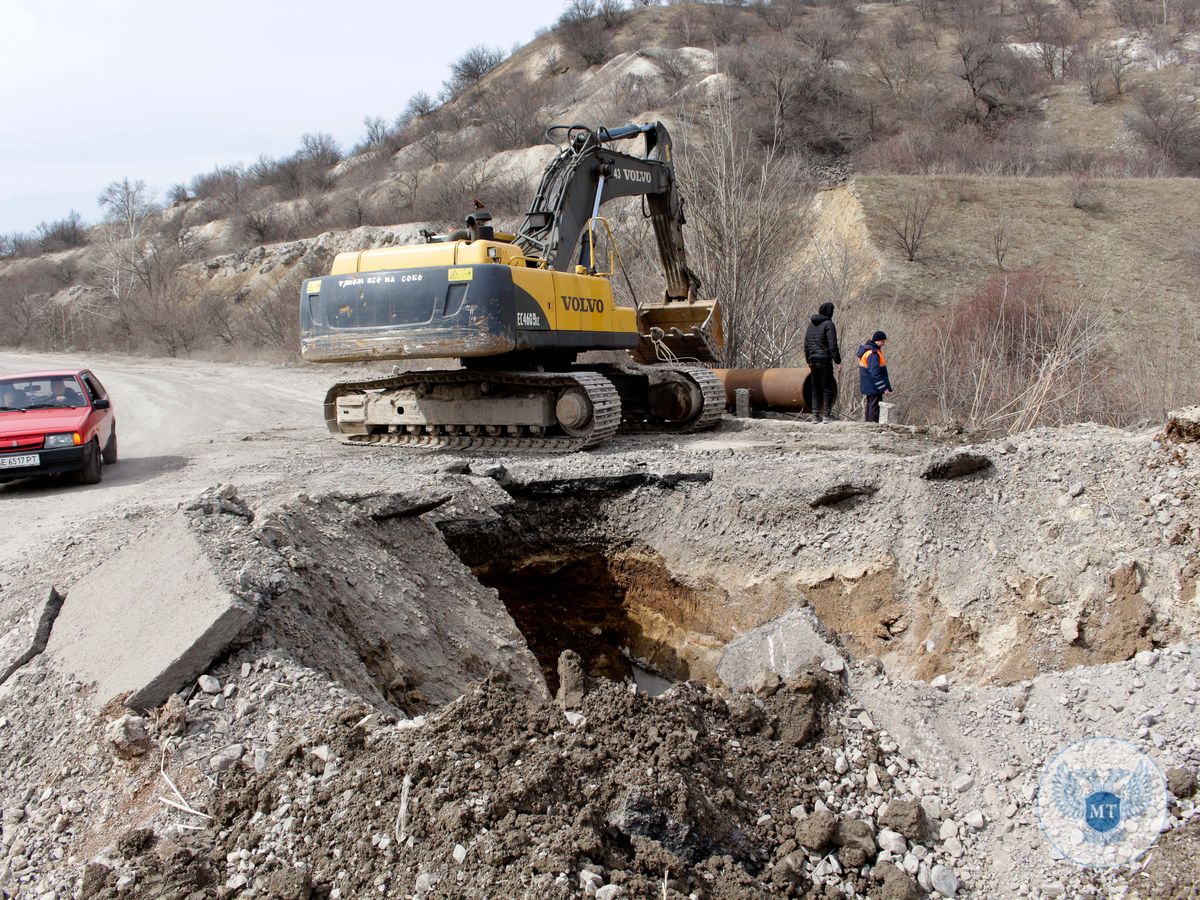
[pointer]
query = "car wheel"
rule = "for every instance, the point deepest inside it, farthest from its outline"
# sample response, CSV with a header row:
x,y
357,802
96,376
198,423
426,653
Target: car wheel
x,y
110,449
92,466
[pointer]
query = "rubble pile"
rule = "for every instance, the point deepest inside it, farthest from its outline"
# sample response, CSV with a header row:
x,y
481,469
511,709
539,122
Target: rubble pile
x,y
699,792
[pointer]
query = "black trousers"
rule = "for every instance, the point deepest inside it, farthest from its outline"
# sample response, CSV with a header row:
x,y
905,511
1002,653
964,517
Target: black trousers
x,y
823,383
872,414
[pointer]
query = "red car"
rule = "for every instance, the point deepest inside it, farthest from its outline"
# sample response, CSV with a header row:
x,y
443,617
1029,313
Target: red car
x,y
55,422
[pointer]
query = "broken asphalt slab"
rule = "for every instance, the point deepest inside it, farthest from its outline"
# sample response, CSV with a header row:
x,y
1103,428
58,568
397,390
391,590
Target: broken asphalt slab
x,y
28,639
149,620
602,484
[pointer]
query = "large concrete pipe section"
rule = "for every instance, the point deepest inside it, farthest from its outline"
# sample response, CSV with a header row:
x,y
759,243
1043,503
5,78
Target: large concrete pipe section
x,y
782,389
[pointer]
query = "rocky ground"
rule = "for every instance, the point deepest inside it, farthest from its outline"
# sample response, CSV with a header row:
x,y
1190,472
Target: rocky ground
x,y
872,641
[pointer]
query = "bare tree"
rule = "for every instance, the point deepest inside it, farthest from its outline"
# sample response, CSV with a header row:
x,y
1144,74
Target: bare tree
x,y
320,149
742,239
928,10
1120,61
272,319
419,105
368,195
468,70
141,262
913,222
62,234
776,69
584,32
1001,236
827,33
900,70
979,55
611,12
515,115
1094,65
25,306
780,15
376,131
128,212
226,187
1169,121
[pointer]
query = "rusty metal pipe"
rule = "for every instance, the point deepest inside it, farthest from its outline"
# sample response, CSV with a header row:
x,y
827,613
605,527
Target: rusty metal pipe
x,y
782,389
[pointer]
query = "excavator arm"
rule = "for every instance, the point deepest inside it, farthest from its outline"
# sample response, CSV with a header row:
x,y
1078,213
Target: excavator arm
x,y
578,182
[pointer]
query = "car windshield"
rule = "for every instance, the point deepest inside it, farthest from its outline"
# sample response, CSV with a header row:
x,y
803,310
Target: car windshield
x,y
40,393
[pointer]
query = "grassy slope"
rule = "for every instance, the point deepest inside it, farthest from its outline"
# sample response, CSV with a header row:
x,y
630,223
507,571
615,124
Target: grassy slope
x,y
1135,254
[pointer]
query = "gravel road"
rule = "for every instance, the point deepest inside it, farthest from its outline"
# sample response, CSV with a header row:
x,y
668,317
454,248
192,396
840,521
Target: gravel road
x,y
182,425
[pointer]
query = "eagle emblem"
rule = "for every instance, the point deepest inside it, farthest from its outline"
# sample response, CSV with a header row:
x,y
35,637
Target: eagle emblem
x,y
1102,802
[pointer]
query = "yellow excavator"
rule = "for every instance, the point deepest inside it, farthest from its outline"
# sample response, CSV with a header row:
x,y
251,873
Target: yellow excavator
x,y
516,310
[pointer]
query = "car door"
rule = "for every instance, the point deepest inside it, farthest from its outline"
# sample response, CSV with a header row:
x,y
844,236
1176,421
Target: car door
x,y
102,420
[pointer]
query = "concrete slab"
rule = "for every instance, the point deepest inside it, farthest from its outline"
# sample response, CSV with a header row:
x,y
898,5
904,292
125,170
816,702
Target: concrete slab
x,y
148,621
783,645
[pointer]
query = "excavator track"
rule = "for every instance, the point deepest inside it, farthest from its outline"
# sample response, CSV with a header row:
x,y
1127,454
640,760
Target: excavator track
x,y
602,395
713,396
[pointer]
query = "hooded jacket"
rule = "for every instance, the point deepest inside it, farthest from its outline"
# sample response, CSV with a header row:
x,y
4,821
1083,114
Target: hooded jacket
x,y
872,370
820,340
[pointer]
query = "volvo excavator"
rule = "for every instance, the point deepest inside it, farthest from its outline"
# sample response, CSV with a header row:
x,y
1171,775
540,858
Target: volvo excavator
x,y
516,310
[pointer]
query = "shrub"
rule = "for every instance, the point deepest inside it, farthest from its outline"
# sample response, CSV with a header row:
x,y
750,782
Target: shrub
x,y
1169,122
1084,192
63,234
515,115
468,70
1021,351
583,32
225,187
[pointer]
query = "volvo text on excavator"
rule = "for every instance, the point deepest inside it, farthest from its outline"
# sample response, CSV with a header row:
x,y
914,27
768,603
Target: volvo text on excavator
x,y
516,310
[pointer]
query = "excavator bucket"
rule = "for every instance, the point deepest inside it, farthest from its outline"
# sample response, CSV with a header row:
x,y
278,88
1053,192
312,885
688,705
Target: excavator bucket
x,y
680,330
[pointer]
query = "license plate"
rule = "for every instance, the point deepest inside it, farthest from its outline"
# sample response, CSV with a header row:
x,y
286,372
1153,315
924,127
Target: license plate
x,y
19,462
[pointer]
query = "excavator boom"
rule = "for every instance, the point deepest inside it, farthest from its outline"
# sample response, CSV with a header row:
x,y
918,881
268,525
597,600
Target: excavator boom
x,y
585,175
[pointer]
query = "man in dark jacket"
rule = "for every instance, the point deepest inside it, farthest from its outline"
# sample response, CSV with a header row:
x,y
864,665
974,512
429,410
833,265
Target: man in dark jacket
x,y
873,378
822,354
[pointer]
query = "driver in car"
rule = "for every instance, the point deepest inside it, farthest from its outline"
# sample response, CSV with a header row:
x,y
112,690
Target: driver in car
x,y
63,394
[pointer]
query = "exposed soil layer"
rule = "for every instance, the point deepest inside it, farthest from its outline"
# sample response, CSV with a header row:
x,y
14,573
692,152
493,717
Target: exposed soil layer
x,y
608,609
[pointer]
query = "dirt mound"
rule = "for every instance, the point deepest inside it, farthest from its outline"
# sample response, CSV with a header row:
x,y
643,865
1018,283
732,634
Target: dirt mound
x,y
501,794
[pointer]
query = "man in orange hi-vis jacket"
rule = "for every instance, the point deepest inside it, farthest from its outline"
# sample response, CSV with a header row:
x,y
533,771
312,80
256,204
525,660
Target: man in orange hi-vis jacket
x,y
873,378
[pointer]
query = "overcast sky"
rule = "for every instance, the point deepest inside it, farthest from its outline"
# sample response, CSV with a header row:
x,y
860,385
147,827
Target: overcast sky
x,y
92,91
